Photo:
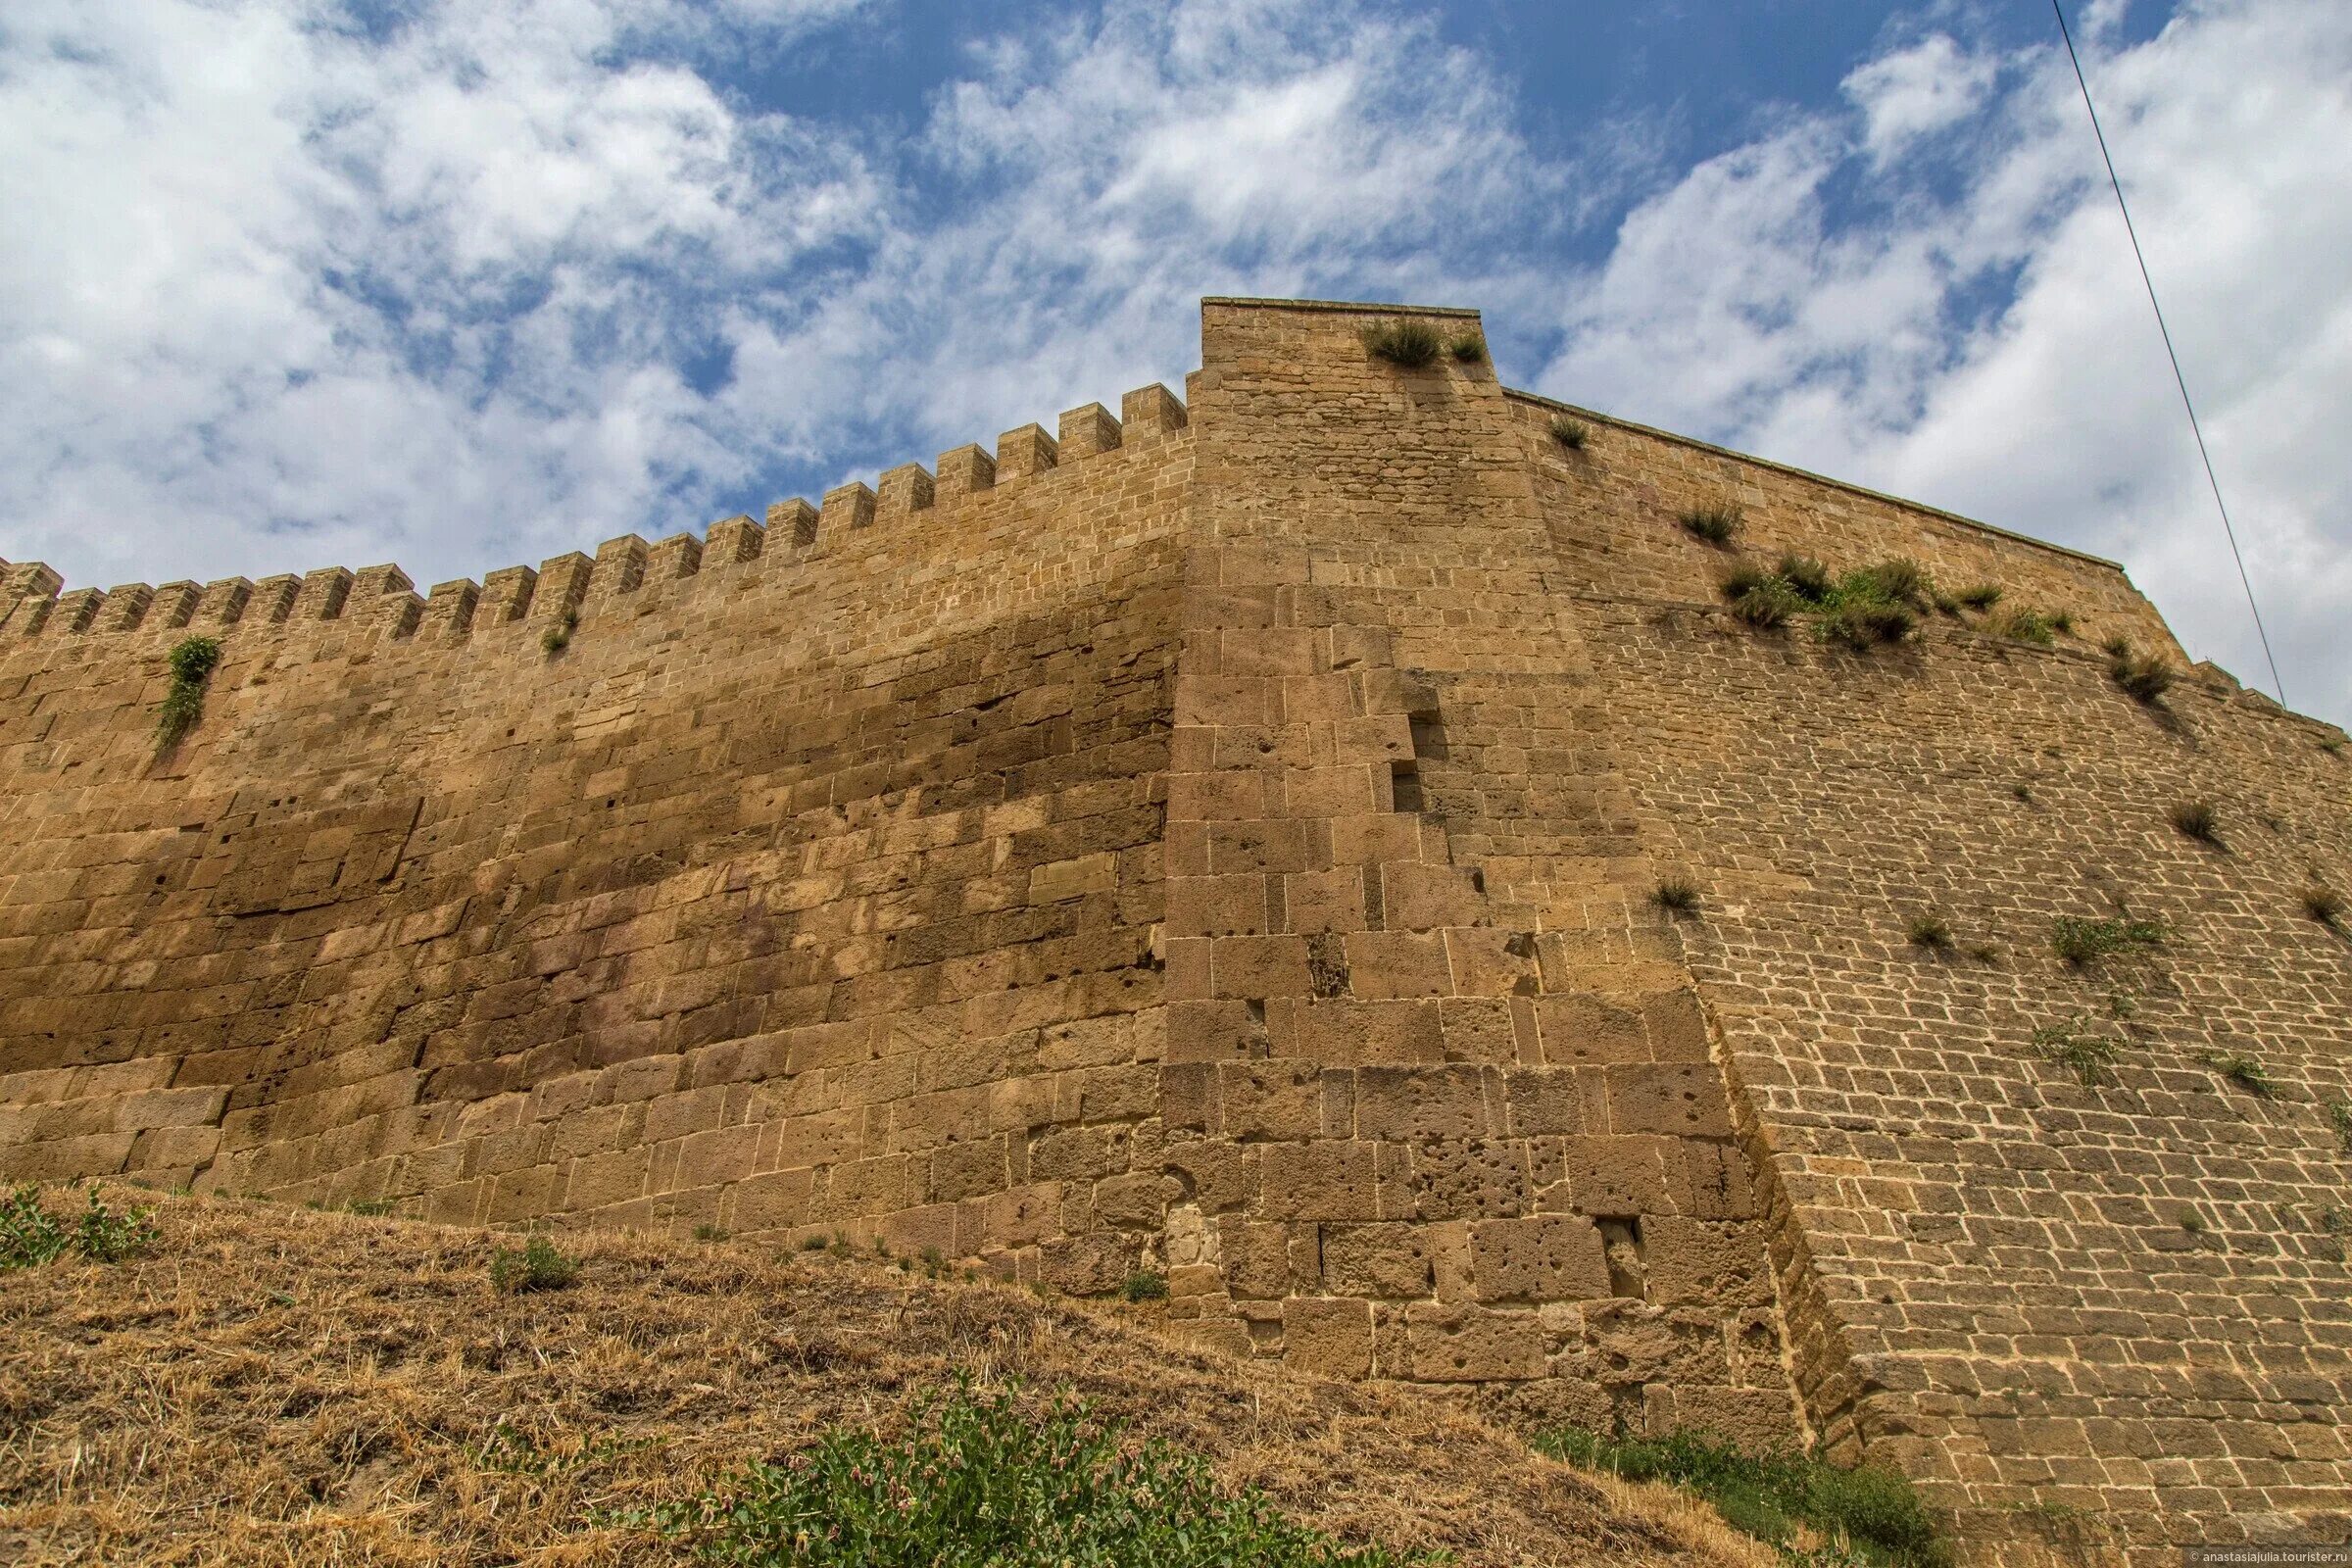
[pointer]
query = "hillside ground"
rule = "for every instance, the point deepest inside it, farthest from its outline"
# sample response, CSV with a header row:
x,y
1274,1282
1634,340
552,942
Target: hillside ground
x,y
271,1385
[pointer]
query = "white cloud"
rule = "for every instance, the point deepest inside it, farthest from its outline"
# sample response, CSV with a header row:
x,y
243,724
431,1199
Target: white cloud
x,y
310,294
397,295
1734,305
283,291
1916,93
1134,165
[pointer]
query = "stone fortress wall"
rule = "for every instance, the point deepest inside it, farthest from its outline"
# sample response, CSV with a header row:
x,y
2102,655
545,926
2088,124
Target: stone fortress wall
x,y
1221,840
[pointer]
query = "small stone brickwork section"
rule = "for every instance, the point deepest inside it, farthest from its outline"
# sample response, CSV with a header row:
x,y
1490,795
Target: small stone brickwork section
x,y
1221,839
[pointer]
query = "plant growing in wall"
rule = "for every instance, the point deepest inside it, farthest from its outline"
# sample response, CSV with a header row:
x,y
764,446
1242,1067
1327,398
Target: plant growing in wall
x,y
1867,608
557,637
1410,345
1468,349
2244,1072
1759,597
1805,576
1931,931
1570,433
2323,904
1875,604
192,660
2146,677
2022,625
1677,896
1717,523
2084,941
2089,1057
2195,819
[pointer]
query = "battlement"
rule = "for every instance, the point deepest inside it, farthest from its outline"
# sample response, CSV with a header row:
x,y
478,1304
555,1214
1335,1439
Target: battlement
x,y
34,603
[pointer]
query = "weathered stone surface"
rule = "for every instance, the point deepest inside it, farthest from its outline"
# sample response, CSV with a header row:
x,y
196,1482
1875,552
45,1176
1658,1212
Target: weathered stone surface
x,y
1470,1344
1329,1336
1223,841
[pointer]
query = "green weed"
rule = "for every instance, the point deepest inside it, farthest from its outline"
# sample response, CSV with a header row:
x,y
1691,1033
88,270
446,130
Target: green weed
x,y
30,1235
2244,1072
1863,624
1806,577
2089,1057
2146,677
193,660
2023,626
1412,345
1570,433
1875,604
1718,525
538,1266
1779,1499
2194,819
557,637
975,1482
1929,931
1767,605
1675,896
1864,609
2081,942
1900,578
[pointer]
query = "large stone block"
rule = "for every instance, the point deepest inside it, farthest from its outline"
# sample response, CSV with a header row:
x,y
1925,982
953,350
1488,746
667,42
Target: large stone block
x,y
1330,1338
1685,1099
1379,1260
773,1202
1318,1181
1448,1344
1407,1103
1264,1100
1546,1257
1714,1263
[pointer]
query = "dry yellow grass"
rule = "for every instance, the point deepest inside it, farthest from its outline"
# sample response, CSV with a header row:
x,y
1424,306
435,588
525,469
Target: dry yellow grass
x,y
274,1385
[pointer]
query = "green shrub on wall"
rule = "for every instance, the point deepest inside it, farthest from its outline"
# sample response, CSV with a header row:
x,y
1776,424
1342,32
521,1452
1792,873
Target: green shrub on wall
x,y
192,660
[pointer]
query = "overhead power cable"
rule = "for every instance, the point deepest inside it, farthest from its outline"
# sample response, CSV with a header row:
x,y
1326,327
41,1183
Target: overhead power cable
x,y
2179,380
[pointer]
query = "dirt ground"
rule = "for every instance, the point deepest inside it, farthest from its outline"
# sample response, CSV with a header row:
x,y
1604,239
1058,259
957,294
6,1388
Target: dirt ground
x,y
269,1385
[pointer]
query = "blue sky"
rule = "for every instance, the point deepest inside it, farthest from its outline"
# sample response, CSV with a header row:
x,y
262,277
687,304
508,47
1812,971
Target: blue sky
x,y
294,283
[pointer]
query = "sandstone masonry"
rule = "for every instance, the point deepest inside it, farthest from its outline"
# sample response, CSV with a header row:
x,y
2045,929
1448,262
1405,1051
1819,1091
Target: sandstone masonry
x,y
1221,839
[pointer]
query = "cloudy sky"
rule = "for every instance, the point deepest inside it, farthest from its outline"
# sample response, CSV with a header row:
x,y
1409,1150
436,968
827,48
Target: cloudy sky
x,y
290,283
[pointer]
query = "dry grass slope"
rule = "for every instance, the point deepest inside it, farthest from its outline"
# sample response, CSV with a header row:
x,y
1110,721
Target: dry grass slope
x,y
272,1385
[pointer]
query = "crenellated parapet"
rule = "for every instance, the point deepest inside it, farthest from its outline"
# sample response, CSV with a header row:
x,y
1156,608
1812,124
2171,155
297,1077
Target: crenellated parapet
x,y
34,603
